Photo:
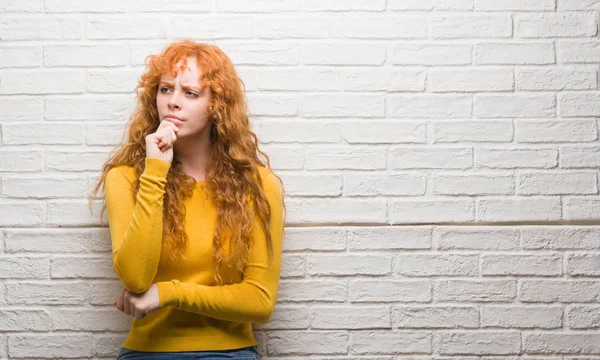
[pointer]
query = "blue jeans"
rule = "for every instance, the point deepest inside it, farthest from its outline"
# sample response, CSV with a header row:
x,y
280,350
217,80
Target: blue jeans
x,y
247,353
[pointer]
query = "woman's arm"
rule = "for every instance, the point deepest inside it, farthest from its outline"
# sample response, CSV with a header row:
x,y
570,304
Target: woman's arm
x,y
252,300
136,224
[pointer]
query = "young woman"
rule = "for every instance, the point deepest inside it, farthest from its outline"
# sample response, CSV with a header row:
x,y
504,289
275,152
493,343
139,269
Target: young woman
x,y
196,217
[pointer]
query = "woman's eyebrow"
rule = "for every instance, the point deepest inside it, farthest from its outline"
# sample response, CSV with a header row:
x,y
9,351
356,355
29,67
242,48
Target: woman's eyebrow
x,y
187,87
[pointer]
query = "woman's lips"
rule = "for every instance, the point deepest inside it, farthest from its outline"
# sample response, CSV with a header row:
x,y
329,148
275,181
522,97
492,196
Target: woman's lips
x,y
173,120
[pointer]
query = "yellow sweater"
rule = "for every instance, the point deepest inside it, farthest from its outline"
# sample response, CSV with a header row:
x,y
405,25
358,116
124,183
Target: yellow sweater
x,y
195,314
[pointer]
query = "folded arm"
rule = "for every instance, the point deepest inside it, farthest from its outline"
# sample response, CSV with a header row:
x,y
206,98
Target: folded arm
x,y
136,223
252,300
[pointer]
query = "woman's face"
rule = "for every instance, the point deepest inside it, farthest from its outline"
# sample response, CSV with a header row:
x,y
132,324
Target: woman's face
x,y
182,96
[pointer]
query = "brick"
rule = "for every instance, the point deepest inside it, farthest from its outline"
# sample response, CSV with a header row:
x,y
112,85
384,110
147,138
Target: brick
x,y
579,104
432,317
88,108
382,79
469,238
303,290
209,27
20,56
436,265
519,209
22,213
43,133
517,5
383,184
556,25
521,317
269,105
543,131
512,158
470,26
566,343
517,265
431,54
427,211
283,131
90,320
452,131
385,27
339,105
553,183
313,185
429,106
559,78
476,290
21,161
363,317
430,158
47,187
291,27
515,105
71,6
333,5
318,238
391,342
559,238
343,265
389,291
78,267
39,28
389,237
582,264
305,79
435,5
471,80
382,132
312,342
562,291
343,53
344,210
47,293
482,184
480,342
514,53
262,53
354,158
287,317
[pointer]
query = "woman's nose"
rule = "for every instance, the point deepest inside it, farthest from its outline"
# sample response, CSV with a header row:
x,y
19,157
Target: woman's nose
x,y
174,101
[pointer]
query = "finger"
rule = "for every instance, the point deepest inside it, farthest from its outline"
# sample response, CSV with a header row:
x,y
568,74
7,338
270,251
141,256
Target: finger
x,y
120,300
139,313
132,309
127,304
165,124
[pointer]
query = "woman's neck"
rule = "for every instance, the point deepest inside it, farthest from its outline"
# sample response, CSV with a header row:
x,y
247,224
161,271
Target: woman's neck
x,y
193,154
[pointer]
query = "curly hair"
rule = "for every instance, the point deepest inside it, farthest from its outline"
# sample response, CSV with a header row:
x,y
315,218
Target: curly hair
x,y
232,170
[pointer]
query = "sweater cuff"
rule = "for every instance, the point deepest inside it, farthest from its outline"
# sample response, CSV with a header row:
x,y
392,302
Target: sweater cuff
x,y
167,293
157,167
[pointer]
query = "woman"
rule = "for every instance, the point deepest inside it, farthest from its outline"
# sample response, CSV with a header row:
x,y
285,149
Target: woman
x,y
195,217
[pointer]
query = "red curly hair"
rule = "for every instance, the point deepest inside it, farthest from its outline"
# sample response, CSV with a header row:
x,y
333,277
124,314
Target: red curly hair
x,y
232,171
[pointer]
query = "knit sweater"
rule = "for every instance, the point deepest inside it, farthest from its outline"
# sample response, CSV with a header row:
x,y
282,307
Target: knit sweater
x,y
195,314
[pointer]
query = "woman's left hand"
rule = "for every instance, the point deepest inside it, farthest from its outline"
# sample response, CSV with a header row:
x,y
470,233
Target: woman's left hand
x,y
138,305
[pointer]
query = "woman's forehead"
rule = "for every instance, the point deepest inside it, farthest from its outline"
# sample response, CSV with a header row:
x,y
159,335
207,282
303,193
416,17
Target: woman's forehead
x,y
189,70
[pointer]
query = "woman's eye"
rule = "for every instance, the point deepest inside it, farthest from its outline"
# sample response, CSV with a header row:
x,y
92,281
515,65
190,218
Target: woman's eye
x,y
162,89
191,93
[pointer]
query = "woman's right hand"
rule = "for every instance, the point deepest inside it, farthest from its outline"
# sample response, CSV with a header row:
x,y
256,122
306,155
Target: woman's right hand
x,y
159,144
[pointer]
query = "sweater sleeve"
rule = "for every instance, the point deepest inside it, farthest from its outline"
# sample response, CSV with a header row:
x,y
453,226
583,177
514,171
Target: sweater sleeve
x,y
136,224
251,300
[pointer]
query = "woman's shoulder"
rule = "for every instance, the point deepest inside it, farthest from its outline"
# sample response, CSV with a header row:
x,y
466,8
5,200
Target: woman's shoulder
x,y
268,178
120,173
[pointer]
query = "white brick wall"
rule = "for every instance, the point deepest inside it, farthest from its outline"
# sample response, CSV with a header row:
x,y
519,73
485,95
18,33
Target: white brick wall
x,y
470,126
